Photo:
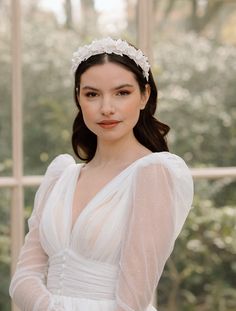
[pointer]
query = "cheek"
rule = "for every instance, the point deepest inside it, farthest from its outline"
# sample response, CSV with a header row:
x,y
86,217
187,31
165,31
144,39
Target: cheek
x,y
88,114
133,110
86,108
132,116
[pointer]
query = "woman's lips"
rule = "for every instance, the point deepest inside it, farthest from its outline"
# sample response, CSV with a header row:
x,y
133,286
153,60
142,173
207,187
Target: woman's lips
x,y
107,124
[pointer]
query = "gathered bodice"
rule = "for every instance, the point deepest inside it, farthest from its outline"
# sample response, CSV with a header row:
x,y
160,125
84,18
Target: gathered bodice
x,y
75,276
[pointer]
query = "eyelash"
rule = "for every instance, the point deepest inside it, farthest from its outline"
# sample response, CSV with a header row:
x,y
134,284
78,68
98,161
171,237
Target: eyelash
x,y
119,93
91,94
123,93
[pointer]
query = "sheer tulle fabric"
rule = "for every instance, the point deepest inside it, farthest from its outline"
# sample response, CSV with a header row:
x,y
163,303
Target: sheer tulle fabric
x,y
155,222
113,257
27,287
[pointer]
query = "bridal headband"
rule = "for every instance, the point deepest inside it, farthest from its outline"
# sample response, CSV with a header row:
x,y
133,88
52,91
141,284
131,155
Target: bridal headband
x,y
109,46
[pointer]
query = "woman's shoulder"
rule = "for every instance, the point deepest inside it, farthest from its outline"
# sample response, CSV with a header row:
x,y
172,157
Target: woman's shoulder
x,y
174,173
54,170
59,164
168,160
165,165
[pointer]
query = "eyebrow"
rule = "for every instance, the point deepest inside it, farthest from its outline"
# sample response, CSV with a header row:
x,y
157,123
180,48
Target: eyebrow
x,y
87,87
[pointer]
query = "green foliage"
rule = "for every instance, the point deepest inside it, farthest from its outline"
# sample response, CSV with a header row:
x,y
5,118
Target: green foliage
x,y
4,249
201,273
197,98
5,101
48,102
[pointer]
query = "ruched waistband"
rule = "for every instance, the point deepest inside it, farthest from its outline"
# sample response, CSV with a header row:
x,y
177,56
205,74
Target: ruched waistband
x,y
73,275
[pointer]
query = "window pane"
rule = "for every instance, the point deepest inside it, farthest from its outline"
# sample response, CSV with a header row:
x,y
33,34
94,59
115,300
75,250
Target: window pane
x,y
5,90
5,203
201,273
48,106
194,46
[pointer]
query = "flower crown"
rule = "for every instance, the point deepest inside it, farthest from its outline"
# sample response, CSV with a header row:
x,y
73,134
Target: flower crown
x,y
109,46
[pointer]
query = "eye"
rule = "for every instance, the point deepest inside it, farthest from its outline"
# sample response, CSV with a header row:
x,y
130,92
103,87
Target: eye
x,y
123,93
91,94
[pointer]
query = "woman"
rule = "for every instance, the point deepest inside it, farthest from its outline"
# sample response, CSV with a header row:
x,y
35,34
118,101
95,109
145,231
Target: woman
x,y
101,231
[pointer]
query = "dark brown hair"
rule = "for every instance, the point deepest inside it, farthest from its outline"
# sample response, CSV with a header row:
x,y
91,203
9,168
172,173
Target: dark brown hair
x,y
149,131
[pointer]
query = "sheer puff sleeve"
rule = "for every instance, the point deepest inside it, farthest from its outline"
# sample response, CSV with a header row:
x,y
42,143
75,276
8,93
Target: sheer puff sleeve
x,y
27,287
162,197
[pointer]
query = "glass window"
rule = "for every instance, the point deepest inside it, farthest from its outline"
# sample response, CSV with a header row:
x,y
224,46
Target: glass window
x,y
5,246
5,91
47,83
194,63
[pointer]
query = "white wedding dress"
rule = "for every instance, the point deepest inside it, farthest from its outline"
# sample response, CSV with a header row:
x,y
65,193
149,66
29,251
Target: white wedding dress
x,y
113,257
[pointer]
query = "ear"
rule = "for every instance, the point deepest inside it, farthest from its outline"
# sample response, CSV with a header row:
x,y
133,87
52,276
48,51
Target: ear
x,y
145,96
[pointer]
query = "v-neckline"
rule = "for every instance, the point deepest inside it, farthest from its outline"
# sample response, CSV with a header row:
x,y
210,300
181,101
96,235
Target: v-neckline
x,y
99,193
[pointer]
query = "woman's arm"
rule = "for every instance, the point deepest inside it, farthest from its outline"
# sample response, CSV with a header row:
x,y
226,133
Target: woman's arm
x,y
28,285
159,210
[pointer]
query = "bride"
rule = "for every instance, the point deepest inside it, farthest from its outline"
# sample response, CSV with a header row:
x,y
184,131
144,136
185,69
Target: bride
x,y
102,230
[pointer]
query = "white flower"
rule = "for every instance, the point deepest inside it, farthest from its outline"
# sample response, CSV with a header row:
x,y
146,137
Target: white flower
x,y
109,46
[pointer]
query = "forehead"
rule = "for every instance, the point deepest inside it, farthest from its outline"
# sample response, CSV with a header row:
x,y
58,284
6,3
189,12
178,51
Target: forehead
x,y
108,74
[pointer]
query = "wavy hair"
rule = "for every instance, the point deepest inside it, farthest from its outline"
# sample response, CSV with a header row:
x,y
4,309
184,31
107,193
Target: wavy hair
x,y
150,132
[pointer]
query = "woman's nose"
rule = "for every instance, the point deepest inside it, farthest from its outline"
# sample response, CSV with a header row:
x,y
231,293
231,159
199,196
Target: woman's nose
x,y
107,107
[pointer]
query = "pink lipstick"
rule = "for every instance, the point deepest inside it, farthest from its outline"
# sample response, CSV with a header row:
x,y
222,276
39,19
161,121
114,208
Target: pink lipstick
x,y
108,124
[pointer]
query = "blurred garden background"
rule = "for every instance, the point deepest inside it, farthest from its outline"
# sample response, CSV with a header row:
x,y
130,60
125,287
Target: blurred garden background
x,y
193,52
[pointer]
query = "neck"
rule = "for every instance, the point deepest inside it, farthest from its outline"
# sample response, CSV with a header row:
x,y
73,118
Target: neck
x,y
119,152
